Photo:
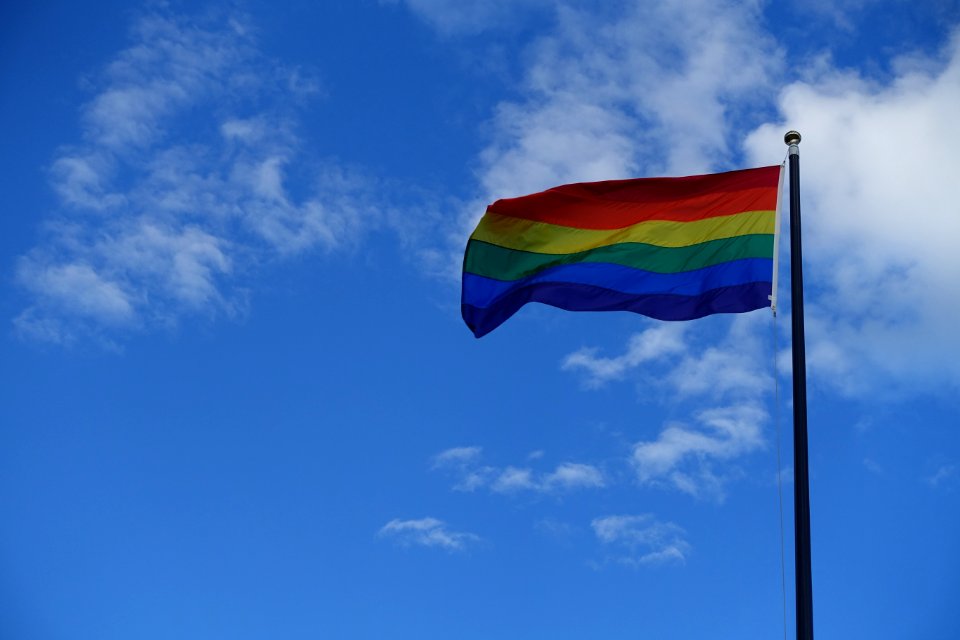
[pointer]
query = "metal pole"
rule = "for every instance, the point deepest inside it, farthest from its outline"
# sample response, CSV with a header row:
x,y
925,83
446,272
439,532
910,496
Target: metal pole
x,y
801,481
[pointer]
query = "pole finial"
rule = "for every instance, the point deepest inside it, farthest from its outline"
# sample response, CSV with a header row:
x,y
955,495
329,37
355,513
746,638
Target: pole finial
x,y
791,137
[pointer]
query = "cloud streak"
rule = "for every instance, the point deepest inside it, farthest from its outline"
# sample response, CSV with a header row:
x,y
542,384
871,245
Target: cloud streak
x,y
427,532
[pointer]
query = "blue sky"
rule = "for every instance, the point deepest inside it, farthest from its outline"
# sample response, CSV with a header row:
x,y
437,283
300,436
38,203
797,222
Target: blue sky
x,y
238,399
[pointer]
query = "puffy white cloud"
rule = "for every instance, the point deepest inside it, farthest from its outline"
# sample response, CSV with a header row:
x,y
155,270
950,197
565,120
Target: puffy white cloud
x,y
880,227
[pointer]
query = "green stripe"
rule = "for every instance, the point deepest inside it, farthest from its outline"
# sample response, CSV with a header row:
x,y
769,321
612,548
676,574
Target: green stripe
x,y
492,261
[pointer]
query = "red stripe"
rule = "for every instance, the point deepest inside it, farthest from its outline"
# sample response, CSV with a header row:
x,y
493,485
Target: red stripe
x,y
614,204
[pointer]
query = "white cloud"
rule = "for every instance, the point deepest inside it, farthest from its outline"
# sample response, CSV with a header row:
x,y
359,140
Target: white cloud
x,y
878,174
456,456
571,475
248,131
513,479
170,65
178,186
640,540
78,288
685,456
427,532
465,465
469,16
538,146
842,13
615,92
81,181
732,367
738,365
565,477
723,384
653,344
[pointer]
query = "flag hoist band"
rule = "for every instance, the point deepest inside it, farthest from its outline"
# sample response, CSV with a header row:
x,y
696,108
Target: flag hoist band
x,y
667,248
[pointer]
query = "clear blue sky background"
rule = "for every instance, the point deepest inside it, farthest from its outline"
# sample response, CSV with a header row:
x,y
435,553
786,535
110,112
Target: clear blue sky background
x,y
237,397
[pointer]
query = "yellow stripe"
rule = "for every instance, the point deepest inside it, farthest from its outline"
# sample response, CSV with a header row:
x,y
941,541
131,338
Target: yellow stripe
x,y
542,237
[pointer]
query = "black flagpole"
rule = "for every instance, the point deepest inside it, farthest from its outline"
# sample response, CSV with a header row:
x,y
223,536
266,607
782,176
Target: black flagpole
x,y
801,481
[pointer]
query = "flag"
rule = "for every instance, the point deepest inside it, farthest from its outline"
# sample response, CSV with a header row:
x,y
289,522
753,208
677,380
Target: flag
x,y
667,248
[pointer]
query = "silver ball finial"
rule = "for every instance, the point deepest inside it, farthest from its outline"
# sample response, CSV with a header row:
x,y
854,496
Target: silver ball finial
x,y
792,137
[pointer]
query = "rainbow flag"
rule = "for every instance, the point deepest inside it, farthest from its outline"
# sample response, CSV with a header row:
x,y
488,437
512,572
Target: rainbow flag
x,y
667,248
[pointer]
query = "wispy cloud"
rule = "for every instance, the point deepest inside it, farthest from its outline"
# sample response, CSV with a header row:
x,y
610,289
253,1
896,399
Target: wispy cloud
x,y
641,540
465,465
723,384
653,344
573,475
605,98
456,456
456,17
557,530
177,186
427,532
687,456
944,475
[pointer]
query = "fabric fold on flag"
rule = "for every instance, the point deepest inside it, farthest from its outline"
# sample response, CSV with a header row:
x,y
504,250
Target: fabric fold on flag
x,y
667,248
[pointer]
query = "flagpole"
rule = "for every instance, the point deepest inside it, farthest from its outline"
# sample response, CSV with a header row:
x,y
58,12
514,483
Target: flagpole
x,y
801,481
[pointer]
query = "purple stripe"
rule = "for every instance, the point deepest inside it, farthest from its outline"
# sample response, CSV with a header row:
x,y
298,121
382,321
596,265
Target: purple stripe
x,y
579,297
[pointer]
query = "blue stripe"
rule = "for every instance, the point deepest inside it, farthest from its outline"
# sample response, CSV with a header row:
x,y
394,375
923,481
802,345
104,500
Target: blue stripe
x,y
578,297
481,292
